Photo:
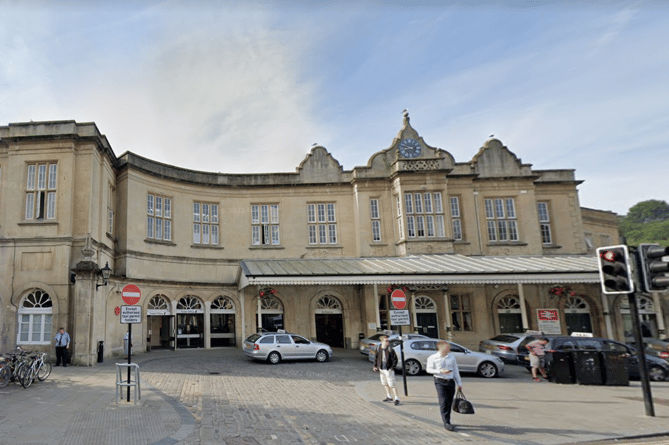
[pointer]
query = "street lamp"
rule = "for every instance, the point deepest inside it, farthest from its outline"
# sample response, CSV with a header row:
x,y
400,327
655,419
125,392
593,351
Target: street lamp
x,y
105,272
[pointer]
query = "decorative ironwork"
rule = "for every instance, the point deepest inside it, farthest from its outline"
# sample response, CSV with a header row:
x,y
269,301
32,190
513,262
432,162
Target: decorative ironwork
x,y
158,303
576,304
222,303
424,303
189,302
37,299
510,302
328,302
270,303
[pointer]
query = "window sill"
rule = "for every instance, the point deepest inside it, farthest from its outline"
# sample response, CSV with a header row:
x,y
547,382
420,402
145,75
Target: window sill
x,y
207,246
38,222
423,240
512,243
111,237
324,246
378,244
461,241
155,241
551,246
266,247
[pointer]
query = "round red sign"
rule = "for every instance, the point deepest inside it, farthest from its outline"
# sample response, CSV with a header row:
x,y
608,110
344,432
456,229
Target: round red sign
x,y
131,294
398,298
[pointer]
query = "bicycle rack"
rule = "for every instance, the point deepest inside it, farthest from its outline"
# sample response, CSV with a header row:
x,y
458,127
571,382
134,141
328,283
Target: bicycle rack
x,y
121,370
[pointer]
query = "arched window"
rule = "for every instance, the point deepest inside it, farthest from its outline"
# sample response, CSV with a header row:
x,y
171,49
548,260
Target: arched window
x,y
425,316
271,313
647,317
577,315
158,305
190,322
190,304
35,314
329,305
509,315
222,322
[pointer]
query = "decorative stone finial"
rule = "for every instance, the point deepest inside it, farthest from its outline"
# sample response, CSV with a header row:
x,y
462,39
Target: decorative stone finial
x,y
88,250
405,113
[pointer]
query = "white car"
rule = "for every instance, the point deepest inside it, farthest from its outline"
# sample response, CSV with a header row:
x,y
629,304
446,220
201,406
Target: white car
x,y
277,346
416,352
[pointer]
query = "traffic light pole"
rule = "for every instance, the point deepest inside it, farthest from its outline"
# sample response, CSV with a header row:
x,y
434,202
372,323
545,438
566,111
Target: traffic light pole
x,y
641,356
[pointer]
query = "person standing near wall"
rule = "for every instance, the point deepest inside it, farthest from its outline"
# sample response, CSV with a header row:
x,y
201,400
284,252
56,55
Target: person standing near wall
x,y
62,341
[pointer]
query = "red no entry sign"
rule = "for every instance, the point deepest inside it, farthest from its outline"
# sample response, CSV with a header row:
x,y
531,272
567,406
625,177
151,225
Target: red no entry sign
x,y
131,294
398,298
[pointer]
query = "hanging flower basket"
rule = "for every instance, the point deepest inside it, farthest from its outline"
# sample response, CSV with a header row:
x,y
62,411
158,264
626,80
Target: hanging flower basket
x,y
266,292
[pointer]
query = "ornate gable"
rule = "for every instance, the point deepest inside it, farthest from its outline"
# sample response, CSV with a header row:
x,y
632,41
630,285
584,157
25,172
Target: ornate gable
x,y
495,160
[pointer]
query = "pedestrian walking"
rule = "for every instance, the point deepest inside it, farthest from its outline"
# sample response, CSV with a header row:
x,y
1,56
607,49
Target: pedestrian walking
x,y
537,350
385,363
446,377
62,341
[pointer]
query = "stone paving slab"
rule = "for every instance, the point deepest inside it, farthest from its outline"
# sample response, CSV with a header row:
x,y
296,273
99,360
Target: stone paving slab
x,y
220,397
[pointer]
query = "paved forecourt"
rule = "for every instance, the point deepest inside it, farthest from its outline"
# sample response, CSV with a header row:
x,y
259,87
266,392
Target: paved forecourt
x,y
220,397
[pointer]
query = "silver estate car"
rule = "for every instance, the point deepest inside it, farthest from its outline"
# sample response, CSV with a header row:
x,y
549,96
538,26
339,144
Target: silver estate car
x,y
417,351
277,346
372,342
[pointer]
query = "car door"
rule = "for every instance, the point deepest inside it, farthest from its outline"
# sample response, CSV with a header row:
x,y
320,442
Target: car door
x,y
421,350
466,362
304,349
285,346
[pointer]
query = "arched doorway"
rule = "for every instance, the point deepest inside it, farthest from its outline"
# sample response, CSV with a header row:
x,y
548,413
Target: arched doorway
x,y
577,315
222,322
160,322
647,317
426,316
271,314
190,322
509,315
329,321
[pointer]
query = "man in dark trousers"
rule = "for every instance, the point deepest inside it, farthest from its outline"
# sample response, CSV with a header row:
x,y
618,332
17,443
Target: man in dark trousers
x,y
62,340
385,363
446,378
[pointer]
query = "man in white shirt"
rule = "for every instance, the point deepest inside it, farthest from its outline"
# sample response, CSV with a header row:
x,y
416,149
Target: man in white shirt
x,y
446,377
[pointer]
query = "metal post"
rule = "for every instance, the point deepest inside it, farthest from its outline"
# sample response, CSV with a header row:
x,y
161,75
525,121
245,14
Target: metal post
x,y
641,355
129,356
404,370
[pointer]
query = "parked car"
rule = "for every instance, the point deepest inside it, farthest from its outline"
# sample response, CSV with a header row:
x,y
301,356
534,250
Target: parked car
x,y
417,350
367,343
277,346
504,346
655,347
371,342
658,369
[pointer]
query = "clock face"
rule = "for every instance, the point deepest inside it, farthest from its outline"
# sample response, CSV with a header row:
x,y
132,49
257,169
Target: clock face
x,y
409,148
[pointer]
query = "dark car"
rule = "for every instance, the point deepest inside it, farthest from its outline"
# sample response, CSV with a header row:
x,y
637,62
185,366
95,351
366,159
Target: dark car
x,y
658,369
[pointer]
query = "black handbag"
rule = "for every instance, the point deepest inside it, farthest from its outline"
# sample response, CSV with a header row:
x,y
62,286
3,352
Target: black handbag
x,y
461,405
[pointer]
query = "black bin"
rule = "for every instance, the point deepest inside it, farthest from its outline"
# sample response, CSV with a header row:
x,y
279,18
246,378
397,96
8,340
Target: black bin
x,y
562,367
588,367
101,351
615,371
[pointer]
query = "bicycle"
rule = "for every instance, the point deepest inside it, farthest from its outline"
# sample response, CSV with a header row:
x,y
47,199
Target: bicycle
x,y
38,368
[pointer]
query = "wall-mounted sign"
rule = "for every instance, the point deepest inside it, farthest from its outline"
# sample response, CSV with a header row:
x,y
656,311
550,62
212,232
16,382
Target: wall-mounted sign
x,y
548,321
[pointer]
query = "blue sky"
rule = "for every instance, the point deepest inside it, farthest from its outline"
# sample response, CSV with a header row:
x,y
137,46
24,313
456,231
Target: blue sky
x,y
250,86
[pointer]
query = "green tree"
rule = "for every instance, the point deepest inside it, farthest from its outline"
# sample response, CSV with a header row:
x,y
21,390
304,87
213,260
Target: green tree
x,y
646,222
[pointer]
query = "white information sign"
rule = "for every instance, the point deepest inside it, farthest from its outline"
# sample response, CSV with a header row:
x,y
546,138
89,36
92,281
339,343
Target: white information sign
x,y
131,314
548,321
400,318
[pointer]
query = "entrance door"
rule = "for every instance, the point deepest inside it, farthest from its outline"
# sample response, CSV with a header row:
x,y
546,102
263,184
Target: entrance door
x,y
510,323
190,330
330,329
427,324
578,323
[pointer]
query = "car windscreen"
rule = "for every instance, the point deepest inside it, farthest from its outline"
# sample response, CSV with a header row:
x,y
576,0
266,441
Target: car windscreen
x,y
505,338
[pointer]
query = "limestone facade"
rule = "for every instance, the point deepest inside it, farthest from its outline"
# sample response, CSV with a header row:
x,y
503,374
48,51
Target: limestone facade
x,y
69,205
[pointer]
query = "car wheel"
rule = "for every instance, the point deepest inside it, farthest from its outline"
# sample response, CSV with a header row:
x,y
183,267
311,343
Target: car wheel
x,y
487,370
656,374
274,358
412,367
322,356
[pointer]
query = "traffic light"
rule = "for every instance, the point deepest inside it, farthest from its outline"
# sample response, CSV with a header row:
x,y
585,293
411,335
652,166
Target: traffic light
x,y
614,270
653,269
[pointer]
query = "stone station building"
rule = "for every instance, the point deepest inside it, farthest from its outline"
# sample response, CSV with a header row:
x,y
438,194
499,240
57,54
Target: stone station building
x,y
482,247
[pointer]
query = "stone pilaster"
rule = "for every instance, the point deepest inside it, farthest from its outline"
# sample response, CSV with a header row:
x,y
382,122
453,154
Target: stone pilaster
x,y
82,310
